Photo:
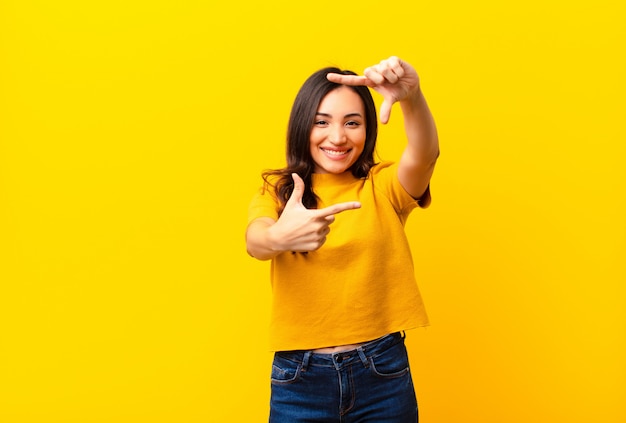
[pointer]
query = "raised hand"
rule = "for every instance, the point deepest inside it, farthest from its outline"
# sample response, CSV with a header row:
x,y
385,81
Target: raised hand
x,y
301,229
393,78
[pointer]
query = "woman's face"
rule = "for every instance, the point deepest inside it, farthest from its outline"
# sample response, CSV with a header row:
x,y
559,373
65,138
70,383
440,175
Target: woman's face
x,y
338,135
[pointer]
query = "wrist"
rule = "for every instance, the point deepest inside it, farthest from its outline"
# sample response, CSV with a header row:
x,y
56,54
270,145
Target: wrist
x,y
273,240
413,97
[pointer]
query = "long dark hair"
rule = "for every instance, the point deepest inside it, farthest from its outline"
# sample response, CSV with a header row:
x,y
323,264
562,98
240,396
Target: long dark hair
x,y
301,120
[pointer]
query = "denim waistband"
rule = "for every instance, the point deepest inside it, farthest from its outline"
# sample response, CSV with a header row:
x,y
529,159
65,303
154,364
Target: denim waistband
x,y
361,353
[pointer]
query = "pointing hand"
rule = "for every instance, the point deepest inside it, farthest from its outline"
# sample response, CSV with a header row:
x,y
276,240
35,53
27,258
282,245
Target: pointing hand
x,y
393,78
301,229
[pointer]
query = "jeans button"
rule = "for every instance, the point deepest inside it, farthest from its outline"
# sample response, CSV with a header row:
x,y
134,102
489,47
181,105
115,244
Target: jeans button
x,y
339,359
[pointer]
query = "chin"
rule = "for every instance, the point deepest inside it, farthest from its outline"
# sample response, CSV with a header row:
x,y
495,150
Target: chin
x,y
336,170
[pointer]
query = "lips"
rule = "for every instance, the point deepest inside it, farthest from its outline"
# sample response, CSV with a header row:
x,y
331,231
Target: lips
x,y
335,153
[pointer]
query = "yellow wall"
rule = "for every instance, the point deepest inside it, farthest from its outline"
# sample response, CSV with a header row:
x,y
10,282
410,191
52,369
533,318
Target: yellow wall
x,y
133,133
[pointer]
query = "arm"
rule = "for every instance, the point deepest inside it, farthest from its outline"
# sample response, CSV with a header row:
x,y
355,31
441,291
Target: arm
x,y
397,81
258,242
420,155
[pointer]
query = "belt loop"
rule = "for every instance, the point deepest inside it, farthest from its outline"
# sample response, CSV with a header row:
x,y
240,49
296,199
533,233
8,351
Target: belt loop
x,y
364,359
305,360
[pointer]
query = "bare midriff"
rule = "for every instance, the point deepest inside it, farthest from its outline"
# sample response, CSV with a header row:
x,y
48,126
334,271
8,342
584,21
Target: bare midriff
x,y
338,349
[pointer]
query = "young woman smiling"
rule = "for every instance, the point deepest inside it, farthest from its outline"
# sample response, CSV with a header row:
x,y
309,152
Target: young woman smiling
x,y
342,299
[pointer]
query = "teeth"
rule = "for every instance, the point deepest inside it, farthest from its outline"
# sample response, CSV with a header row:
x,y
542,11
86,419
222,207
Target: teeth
x,y
335,153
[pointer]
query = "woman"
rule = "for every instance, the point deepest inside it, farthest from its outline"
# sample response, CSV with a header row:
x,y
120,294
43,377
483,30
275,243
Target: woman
x,y
343,297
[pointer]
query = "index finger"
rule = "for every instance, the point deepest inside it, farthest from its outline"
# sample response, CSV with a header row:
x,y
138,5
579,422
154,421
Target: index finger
x,y
353,80
338,208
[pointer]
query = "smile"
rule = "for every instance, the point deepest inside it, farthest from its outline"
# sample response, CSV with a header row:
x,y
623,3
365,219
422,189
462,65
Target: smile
x,y
336,153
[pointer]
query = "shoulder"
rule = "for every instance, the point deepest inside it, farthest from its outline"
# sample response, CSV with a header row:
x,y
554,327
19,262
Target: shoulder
x,y
267,190
384,177
270,181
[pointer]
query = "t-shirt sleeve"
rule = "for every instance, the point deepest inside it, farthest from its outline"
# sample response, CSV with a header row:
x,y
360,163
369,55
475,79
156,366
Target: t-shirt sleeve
x,y
386,179
424,201
263,204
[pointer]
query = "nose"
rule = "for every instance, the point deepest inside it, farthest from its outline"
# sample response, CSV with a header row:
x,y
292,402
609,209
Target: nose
x,y
337,134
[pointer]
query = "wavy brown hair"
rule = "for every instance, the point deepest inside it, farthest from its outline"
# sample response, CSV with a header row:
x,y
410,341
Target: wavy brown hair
x,y
301,121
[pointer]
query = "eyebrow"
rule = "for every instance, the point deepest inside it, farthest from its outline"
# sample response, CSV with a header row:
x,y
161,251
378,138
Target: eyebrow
x,y
355,114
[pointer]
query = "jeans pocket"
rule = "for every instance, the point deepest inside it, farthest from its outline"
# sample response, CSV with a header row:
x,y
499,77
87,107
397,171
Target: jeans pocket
x,y
392,363
285,371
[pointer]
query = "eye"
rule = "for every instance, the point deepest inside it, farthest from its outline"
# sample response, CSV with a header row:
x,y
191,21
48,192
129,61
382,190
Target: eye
x,y
320,123
353,123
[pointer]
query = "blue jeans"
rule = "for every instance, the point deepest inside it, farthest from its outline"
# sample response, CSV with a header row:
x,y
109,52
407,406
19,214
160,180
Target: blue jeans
x,y
369,384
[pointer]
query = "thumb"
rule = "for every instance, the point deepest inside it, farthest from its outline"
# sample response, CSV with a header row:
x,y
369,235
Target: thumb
x,y
385,110
297,193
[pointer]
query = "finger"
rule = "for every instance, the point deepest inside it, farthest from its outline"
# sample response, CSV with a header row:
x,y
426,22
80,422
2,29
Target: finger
x,y
298,191
385,111
396,64
390,76
338,208
396,68
390,70
354,80
324,231
373,73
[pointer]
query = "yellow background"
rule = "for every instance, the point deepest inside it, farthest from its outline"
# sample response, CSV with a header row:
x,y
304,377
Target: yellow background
x,y
132,136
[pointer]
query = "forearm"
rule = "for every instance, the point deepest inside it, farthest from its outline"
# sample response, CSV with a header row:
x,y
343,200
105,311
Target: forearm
x,y
420,155
421,131
259,242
